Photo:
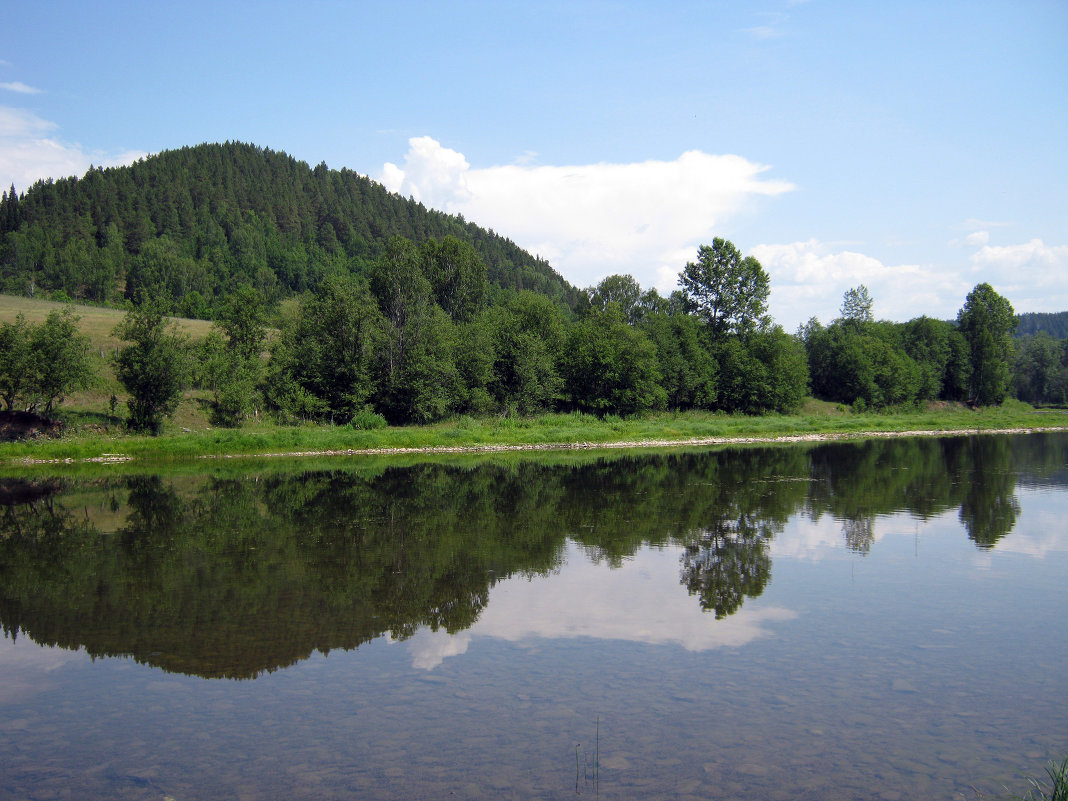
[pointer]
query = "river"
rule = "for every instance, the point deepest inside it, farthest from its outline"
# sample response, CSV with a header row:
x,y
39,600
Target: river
x,y
852,620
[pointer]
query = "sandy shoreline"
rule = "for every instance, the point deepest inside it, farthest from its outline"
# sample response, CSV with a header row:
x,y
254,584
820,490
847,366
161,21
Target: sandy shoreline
x,y
576,446
631,444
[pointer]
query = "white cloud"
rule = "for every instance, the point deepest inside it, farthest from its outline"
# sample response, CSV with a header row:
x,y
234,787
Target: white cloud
x,y
977,238
974,224
20,87
589,221
809,278
29,150
1031,275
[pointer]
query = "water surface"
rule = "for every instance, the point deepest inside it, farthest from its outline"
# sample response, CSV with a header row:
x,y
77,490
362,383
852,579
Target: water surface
x,y
844,621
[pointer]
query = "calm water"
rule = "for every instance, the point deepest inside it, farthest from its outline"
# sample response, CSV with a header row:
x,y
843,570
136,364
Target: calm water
x,y
851,621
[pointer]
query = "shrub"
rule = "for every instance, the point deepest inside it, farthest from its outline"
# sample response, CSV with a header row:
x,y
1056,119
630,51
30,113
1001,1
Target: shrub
x,y
367,420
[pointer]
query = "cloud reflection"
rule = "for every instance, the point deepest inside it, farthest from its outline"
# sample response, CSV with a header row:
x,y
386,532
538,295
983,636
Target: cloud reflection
x,y
23,663
641,601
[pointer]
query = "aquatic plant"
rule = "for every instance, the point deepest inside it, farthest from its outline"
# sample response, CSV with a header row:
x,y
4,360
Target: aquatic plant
x,y
1058,788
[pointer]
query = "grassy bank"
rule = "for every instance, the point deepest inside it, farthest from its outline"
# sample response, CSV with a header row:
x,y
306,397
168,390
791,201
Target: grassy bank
x,y
103,437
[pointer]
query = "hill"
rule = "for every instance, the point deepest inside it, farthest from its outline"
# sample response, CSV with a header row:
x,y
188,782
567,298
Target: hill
x,y
1054,324
191,224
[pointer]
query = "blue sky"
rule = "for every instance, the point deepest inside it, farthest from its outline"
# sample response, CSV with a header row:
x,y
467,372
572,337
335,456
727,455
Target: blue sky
x,y
916,147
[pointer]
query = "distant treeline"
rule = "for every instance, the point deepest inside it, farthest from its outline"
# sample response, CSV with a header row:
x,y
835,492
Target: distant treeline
x,y
1054,324
188,226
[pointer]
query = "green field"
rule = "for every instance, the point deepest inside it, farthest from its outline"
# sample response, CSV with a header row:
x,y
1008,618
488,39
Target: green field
x,y
92,407
563,430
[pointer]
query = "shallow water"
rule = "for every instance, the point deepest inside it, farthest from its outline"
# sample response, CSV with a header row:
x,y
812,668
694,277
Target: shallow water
x,y
847,621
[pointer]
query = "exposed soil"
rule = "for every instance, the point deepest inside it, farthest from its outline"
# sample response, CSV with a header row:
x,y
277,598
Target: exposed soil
x,y
27,425
25,490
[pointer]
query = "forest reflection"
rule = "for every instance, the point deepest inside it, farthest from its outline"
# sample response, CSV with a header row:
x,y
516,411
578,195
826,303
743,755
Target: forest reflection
x,y
230,577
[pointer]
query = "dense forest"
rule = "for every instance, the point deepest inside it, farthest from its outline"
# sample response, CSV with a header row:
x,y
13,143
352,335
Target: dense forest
x,y
1054,324
188,226
385,311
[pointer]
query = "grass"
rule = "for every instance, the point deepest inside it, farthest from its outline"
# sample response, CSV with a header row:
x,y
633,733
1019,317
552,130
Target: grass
x,y
1038,790
93,434
96,322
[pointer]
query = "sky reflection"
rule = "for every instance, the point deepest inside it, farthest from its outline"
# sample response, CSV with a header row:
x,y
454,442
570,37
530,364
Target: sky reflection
x,y
641,601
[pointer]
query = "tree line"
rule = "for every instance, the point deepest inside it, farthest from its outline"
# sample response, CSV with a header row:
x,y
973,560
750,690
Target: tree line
x,y
422,337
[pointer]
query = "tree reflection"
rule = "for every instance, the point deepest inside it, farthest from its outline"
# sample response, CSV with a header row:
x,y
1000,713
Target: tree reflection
x,y
724,566
859,533
231,576
989,507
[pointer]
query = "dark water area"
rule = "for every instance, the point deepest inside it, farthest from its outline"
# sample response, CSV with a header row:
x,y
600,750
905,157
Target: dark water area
x,y
872,620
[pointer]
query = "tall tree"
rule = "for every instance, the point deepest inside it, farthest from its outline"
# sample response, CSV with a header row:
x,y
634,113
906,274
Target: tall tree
x,y
457,276
153,368
322,365
987,322
622,290
61,359
16,361
611,367
728,291
856,305
242,317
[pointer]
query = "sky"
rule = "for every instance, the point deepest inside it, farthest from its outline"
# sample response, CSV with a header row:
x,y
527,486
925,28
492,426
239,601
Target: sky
x,y
917,148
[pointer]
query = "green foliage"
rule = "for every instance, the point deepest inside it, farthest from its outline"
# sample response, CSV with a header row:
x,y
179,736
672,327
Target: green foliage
x,y
15,361
687,369
154,367
766,372
856,305
41,364
927,342
322,365
421,382
862,364
730,293
417,376
60,359
528,333
242,318
367,420
1041,370
987,321
1054,324
232,368
785,369
623,291
475,358
457,276
210,218
611,366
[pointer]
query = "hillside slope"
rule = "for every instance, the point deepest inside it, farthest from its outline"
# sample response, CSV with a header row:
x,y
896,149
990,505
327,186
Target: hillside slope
x,y
193,223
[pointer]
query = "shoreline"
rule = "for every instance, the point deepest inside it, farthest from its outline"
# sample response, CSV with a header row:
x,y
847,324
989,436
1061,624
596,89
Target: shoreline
x,y
690,442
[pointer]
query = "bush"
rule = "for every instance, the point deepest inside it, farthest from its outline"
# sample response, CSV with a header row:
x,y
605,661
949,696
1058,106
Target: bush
x,y
367,420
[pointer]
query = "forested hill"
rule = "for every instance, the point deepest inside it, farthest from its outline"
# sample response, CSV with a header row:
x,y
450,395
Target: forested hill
x,y
192,224
1053,323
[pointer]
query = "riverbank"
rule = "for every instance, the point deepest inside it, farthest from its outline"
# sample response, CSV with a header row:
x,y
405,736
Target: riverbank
x,y
543,433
